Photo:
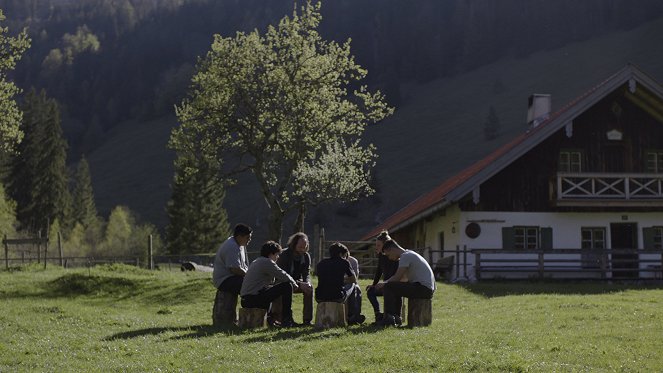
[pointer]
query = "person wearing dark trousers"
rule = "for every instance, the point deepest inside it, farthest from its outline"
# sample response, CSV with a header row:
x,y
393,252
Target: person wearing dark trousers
x,y
231,261
296,262
385,269
265,281
333,274
420,281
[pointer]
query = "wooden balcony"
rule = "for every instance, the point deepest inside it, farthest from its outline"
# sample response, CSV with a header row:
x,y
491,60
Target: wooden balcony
x,y
609,189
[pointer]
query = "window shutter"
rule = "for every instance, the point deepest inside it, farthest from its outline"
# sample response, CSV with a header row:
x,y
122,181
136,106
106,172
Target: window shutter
x,y
508,240
546,238
648,238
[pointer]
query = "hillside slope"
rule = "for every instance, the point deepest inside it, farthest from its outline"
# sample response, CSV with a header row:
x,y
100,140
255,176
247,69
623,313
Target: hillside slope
x,y
435,133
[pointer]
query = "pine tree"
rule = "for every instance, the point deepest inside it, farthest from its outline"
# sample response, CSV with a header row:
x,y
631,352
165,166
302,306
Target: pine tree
x,y
198,222
84,210
491,126
39,177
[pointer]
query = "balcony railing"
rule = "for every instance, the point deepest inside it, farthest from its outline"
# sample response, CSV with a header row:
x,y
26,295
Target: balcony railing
x,y
609,186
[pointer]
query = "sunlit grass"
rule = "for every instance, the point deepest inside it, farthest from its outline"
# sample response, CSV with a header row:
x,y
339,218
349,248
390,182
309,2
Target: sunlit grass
x,y
120,318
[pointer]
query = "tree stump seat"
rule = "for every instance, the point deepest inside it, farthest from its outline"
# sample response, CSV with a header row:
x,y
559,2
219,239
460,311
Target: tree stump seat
x,y
252,318
330,315
224,312
420,312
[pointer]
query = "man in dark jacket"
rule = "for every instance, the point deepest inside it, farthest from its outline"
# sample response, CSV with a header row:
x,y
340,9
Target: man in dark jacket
x,y
296,262
333,274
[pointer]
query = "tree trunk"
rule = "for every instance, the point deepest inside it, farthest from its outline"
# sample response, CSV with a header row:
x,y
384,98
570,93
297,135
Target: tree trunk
x,y
301,216
275,224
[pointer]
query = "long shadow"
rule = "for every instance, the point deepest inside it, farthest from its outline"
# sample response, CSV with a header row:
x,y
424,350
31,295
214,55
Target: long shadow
x,y
520,287
197,331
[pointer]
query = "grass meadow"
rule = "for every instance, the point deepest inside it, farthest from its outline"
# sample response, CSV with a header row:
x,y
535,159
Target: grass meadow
x,y
120,318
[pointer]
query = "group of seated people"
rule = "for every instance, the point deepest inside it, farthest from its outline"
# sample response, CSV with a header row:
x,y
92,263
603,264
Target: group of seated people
x,y
270,280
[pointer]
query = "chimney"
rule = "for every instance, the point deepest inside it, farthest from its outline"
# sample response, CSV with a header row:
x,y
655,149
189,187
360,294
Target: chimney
x,y
538,109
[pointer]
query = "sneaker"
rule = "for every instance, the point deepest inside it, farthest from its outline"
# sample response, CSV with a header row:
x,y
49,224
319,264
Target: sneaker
x,y
387,320
289,324
357,320
398,321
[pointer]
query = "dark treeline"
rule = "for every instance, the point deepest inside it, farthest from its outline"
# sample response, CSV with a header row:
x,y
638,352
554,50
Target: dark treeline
x,y
106,61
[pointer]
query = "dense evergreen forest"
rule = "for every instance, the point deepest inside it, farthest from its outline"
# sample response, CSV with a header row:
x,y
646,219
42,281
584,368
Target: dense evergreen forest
x,y
107,61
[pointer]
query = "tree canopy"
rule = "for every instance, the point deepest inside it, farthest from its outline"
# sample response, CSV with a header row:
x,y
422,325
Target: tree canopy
x,y
281,105
11,49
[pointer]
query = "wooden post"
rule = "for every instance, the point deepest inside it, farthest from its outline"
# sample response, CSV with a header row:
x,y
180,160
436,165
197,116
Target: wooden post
x,y
315,244
45,250
60,248
39,247
603,265
465,262
457,261
7,252
149,252
321,245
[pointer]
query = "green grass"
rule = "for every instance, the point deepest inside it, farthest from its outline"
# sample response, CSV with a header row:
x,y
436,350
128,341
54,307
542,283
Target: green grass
x,y
118,318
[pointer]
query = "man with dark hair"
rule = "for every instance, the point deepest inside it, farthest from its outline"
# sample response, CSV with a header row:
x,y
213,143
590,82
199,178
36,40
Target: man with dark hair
x,y
420,281
265,281
333,274
296,262
231,261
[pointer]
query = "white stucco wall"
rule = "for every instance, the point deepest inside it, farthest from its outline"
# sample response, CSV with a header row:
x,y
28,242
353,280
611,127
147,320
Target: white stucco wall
x,y
566,229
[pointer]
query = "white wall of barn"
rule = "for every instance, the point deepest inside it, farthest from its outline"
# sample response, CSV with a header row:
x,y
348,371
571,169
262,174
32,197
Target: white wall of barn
x,y
566,229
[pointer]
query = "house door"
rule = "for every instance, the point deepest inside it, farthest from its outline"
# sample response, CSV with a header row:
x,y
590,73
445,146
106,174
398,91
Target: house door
x,y
624,236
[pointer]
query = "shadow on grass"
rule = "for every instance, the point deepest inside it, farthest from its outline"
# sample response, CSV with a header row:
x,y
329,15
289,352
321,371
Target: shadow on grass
x,y
506,288
307,333
196,331
74,284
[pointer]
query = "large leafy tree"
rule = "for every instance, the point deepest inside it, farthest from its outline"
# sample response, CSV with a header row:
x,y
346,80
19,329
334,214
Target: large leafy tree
x,y
11,49
197,221
280,106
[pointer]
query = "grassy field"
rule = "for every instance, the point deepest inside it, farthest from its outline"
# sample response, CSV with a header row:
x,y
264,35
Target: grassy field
x,y
118,318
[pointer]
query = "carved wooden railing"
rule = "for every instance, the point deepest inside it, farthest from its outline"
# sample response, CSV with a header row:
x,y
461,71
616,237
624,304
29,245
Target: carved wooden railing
x,y
609,186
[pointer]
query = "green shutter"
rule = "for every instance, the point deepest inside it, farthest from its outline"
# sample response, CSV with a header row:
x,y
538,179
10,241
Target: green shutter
x,y
508,241
648,238
546,238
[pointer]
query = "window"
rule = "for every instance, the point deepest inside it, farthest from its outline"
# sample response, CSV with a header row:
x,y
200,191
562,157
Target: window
x,y
592,238
653,238
570,161
654,161
526,238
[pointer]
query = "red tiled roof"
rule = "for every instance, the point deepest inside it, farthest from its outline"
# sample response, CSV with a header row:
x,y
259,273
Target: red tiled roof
x,y
436,197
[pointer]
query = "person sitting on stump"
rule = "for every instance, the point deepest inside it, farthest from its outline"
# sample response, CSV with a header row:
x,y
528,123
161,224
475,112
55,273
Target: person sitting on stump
x,y
296,262
333,274
231,261
265,281
420,281
385,269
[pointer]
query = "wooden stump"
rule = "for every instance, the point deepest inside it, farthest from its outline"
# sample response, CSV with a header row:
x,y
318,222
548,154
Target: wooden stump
x,y
420,312
224,312
252,317
330,315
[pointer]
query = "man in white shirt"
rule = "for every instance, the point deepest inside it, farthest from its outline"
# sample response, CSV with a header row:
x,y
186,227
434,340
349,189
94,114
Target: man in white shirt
x,y
231,262
420,281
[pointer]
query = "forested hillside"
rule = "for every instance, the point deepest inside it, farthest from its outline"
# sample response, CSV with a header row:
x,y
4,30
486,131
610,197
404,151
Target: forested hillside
x,y
117,67
107,61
